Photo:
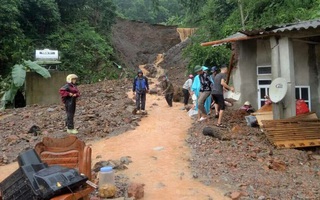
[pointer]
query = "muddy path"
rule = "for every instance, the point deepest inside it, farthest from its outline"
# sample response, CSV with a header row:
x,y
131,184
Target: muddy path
x,y
159,154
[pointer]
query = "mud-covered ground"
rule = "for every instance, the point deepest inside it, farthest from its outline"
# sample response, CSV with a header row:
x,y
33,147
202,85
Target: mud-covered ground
x,y
242,160
103,110
238,160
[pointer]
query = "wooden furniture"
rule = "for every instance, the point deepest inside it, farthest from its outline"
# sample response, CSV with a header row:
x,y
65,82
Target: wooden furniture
x,y
68,152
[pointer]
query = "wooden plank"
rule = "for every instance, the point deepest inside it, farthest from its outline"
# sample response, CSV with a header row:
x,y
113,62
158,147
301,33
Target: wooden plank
x,y
297,144
296,132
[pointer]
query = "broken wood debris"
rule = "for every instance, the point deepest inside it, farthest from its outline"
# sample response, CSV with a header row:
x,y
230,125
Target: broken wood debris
x,y
295,132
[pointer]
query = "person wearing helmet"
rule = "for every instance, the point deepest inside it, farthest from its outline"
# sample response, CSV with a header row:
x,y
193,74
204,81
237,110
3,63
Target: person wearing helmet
x,y
140,88
69,94
186,89
247,107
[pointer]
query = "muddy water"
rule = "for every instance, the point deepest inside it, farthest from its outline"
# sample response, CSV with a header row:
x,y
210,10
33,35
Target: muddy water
x,y
159,153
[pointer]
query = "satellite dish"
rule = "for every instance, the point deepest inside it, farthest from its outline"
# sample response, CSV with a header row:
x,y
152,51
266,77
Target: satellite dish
x,y
278,89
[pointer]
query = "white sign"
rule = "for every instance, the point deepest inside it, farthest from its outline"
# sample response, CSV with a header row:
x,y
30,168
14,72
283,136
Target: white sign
x,y
47,54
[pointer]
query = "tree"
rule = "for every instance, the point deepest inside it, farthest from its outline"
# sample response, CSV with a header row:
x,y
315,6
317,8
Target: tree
x,y
40,17
18,75
12,39
101,14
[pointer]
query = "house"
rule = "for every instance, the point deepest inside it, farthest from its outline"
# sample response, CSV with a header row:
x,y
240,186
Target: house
x,y
290,51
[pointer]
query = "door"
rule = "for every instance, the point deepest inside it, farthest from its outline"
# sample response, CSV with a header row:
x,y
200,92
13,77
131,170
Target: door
x,y
263,90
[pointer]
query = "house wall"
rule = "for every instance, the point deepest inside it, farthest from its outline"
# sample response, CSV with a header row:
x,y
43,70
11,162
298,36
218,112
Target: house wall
x,y
44,91
263,52
306,66
245,75
300,52
314,63
253,53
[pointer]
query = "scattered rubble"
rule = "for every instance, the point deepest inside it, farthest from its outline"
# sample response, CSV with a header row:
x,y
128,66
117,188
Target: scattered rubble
x,y
248,166
102,111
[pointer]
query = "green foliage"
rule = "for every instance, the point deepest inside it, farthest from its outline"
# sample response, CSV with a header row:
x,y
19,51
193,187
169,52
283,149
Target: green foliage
x,y
40,17
18,76
206,56
37,68
83,51
154,12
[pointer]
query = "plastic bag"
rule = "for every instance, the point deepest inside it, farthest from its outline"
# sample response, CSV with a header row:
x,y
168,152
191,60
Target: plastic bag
x,y
301,107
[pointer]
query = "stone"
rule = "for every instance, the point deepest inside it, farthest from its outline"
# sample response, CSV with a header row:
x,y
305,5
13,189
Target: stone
x,y
158,148
136,190
209,131
235,195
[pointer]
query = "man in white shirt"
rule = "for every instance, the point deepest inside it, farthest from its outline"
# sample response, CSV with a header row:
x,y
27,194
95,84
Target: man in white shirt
x,y
186,89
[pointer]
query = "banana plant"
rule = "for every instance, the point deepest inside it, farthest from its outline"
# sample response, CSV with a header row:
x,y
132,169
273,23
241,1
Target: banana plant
x,y
18,75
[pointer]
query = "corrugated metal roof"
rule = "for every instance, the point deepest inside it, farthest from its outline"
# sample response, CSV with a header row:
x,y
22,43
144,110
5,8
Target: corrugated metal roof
x,y
297,26
271,30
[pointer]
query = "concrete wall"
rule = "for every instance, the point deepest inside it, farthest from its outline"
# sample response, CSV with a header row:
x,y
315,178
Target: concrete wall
x,y
253,53
263,52
245,75
44,91
314,71
300,52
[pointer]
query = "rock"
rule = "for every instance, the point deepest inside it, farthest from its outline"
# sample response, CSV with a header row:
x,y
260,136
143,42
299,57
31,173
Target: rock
x,y
12,138
136,190
158,148
50,109
277,165
211,132
125,160
235,195
153,91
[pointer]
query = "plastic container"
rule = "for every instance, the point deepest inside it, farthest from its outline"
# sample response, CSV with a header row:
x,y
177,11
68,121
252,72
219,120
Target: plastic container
x,y
106,176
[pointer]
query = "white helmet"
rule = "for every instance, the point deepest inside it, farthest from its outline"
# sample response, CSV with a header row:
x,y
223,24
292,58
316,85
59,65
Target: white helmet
x,y
70,77
247,103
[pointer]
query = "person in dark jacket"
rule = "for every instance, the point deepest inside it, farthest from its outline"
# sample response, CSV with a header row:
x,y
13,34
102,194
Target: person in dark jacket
x,y
140,88
167,89
69,94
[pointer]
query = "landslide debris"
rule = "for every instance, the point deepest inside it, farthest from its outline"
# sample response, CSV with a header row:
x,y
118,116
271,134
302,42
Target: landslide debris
x,y
244,164
103,110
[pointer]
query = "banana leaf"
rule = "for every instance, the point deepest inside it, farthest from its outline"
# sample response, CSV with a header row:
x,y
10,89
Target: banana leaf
x,y
18,75
37,68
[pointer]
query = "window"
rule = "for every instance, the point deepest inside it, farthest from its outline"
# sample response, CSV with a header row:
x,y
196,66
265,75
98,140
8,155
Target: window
x,y
264,70
303,92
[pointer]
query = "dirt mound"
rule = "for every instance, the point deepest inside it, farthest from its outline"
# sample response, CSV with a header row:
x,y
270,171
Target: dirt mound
x,y
104,109
139,43
175,65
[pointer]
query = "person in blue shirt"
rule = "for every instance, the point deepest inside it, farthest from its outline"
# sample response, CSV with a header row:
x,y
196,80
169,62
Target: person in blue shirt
x,y
140,89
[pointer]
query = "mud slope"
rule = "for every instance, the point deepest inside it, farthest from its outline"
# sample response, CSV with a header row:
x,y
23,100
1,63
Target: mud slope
x,y
138,43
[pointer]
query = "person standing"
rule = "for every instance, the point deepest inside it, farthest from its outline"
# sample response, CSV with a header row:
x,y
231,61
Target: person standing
x,y
167,89
205,91
140,89
69,94
186,89
217,93
214,71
